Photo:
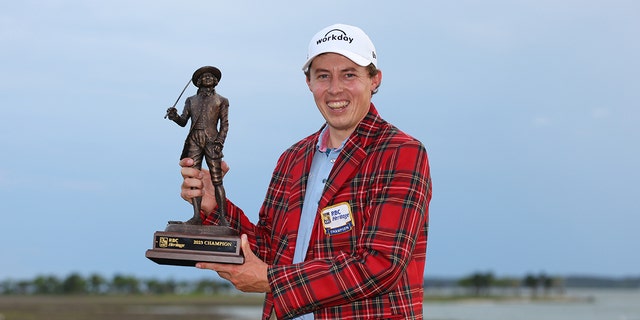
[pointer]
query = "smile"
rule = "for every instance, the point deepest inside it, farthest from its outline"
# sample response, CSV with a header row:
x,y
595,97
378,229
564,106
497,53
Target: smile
x,y
337,104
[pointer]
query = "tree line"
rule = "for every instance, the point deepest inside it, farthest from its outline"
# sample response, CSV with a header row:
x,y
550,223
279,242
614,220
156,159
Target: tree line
x,y
475,284
77,284
483,284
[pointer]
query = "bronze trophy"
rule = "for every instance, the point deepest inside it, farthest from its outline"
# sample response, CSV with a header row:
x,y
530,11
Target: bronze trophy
x,y
186,243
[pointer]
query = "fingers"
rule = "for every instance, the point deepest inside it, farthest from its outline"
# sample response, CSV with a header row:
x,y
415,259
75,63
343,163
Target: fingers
x,y
225,167
186,162
188,193
188,170
223,269
197,183
251,276
207,265
192,180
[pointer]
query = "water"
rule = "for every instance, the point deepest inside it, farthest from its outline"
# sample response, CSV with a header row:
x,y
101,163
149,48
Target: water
x,y
597,305
216,312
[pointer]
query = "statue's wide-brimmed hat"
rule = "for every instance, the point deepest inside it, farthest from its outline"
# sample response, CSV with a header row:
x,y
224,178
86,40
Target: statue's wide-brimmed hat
x,y
206,69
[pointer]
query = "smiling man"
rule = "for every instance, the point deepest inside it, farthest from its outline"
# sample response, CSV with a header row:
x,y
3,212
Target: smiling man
x,y
342,232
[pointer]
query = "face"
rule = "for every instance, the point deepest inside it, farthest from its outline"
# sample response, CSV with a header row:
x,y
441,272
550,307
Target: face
x,y
342,91
207,80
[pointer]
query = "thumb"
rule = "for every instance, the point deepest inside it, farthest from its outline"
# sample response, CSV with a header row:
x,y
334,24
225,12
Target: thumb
x,y
246,246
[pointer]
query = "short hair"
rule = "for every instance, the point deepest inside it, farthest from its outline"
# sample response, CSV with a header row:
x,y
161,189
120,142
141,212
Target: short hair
x,y
371,70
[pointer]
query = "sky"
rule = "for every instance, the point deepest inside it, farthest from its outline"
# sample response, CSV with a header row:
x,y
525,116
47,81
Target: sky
x,y
529,111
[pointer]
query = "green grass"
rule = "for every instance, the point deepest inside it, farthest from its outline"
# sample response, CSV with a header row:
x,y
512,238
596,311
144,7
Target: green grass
x,y
176,307
170,307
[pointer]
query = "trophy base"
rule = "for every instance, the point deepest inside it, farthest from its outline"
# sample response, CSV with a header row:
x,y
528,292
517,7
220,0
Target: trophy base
x,y
186,245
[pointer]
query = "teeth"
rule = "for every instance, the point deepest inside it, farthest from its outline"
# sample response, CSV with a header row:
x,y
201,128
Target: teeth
x,y
337,105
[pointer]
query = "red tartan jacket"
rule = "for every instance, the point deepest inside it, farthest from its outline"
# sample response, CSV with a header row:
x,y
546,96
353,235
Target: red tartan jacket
x,y
375,269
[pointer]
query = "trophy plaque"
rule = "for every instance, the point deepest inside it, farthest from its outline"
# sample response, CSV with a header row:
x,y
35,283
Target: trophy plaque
x,y
186,243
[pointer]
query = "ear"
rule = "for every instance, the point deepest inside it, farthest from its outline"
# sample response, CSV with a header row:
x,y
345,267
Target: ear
x,y
308,79
376,80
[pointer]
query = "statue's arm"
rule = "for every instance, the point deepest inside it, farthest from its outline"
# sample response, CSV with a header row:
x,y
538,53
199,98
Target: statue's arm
x,y
181,120
224,121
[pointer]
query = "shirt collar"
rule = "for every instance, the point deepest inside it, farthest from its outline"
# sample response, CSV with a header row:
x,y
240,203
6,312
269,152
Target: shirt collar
x,y
323,140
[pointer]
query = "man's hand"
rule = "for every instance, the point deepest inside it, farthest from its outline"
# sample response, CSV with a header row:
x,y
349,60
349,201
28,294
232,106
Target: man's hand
x,y
197,183
248,277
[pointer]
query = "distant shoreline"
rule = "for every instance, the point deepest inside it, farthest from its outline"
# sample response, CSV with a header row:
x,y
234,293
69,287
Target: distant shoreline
x,y
216,306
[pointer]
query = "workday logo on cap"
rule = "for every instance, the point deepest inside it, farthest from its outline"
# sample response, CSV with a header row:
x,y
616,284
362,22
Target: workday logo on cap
x,y
335,35
343,39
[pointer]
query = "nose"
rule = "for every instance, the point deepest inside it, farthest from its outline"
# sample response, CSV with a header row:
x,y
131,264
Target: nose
x,y
335,85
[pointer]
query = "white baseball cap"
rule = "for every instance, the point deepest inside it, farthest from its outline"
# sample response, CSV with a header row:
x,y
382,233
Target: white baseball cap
x,y
343,39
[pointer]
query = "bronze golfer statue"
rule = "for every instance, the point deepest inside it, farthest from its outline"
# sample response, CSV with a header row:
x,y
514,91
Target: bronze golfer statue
x,y
209,113
186,243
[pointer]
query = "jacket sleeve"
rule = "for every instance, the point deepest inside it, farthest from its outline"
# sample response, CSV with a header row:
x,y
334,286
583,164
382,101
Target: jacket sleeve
x,y
186,114
240,222
397,218
259,234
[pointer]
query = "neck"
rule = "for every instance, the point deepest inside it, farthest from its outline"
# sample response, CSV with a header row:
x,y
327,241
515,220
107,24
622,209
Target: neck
x,y
336,137
206,90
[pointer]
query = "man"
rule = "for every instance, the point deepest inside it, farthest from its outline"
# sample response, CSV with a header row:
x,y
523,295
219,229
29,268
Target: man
x,y
342,232
209,113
